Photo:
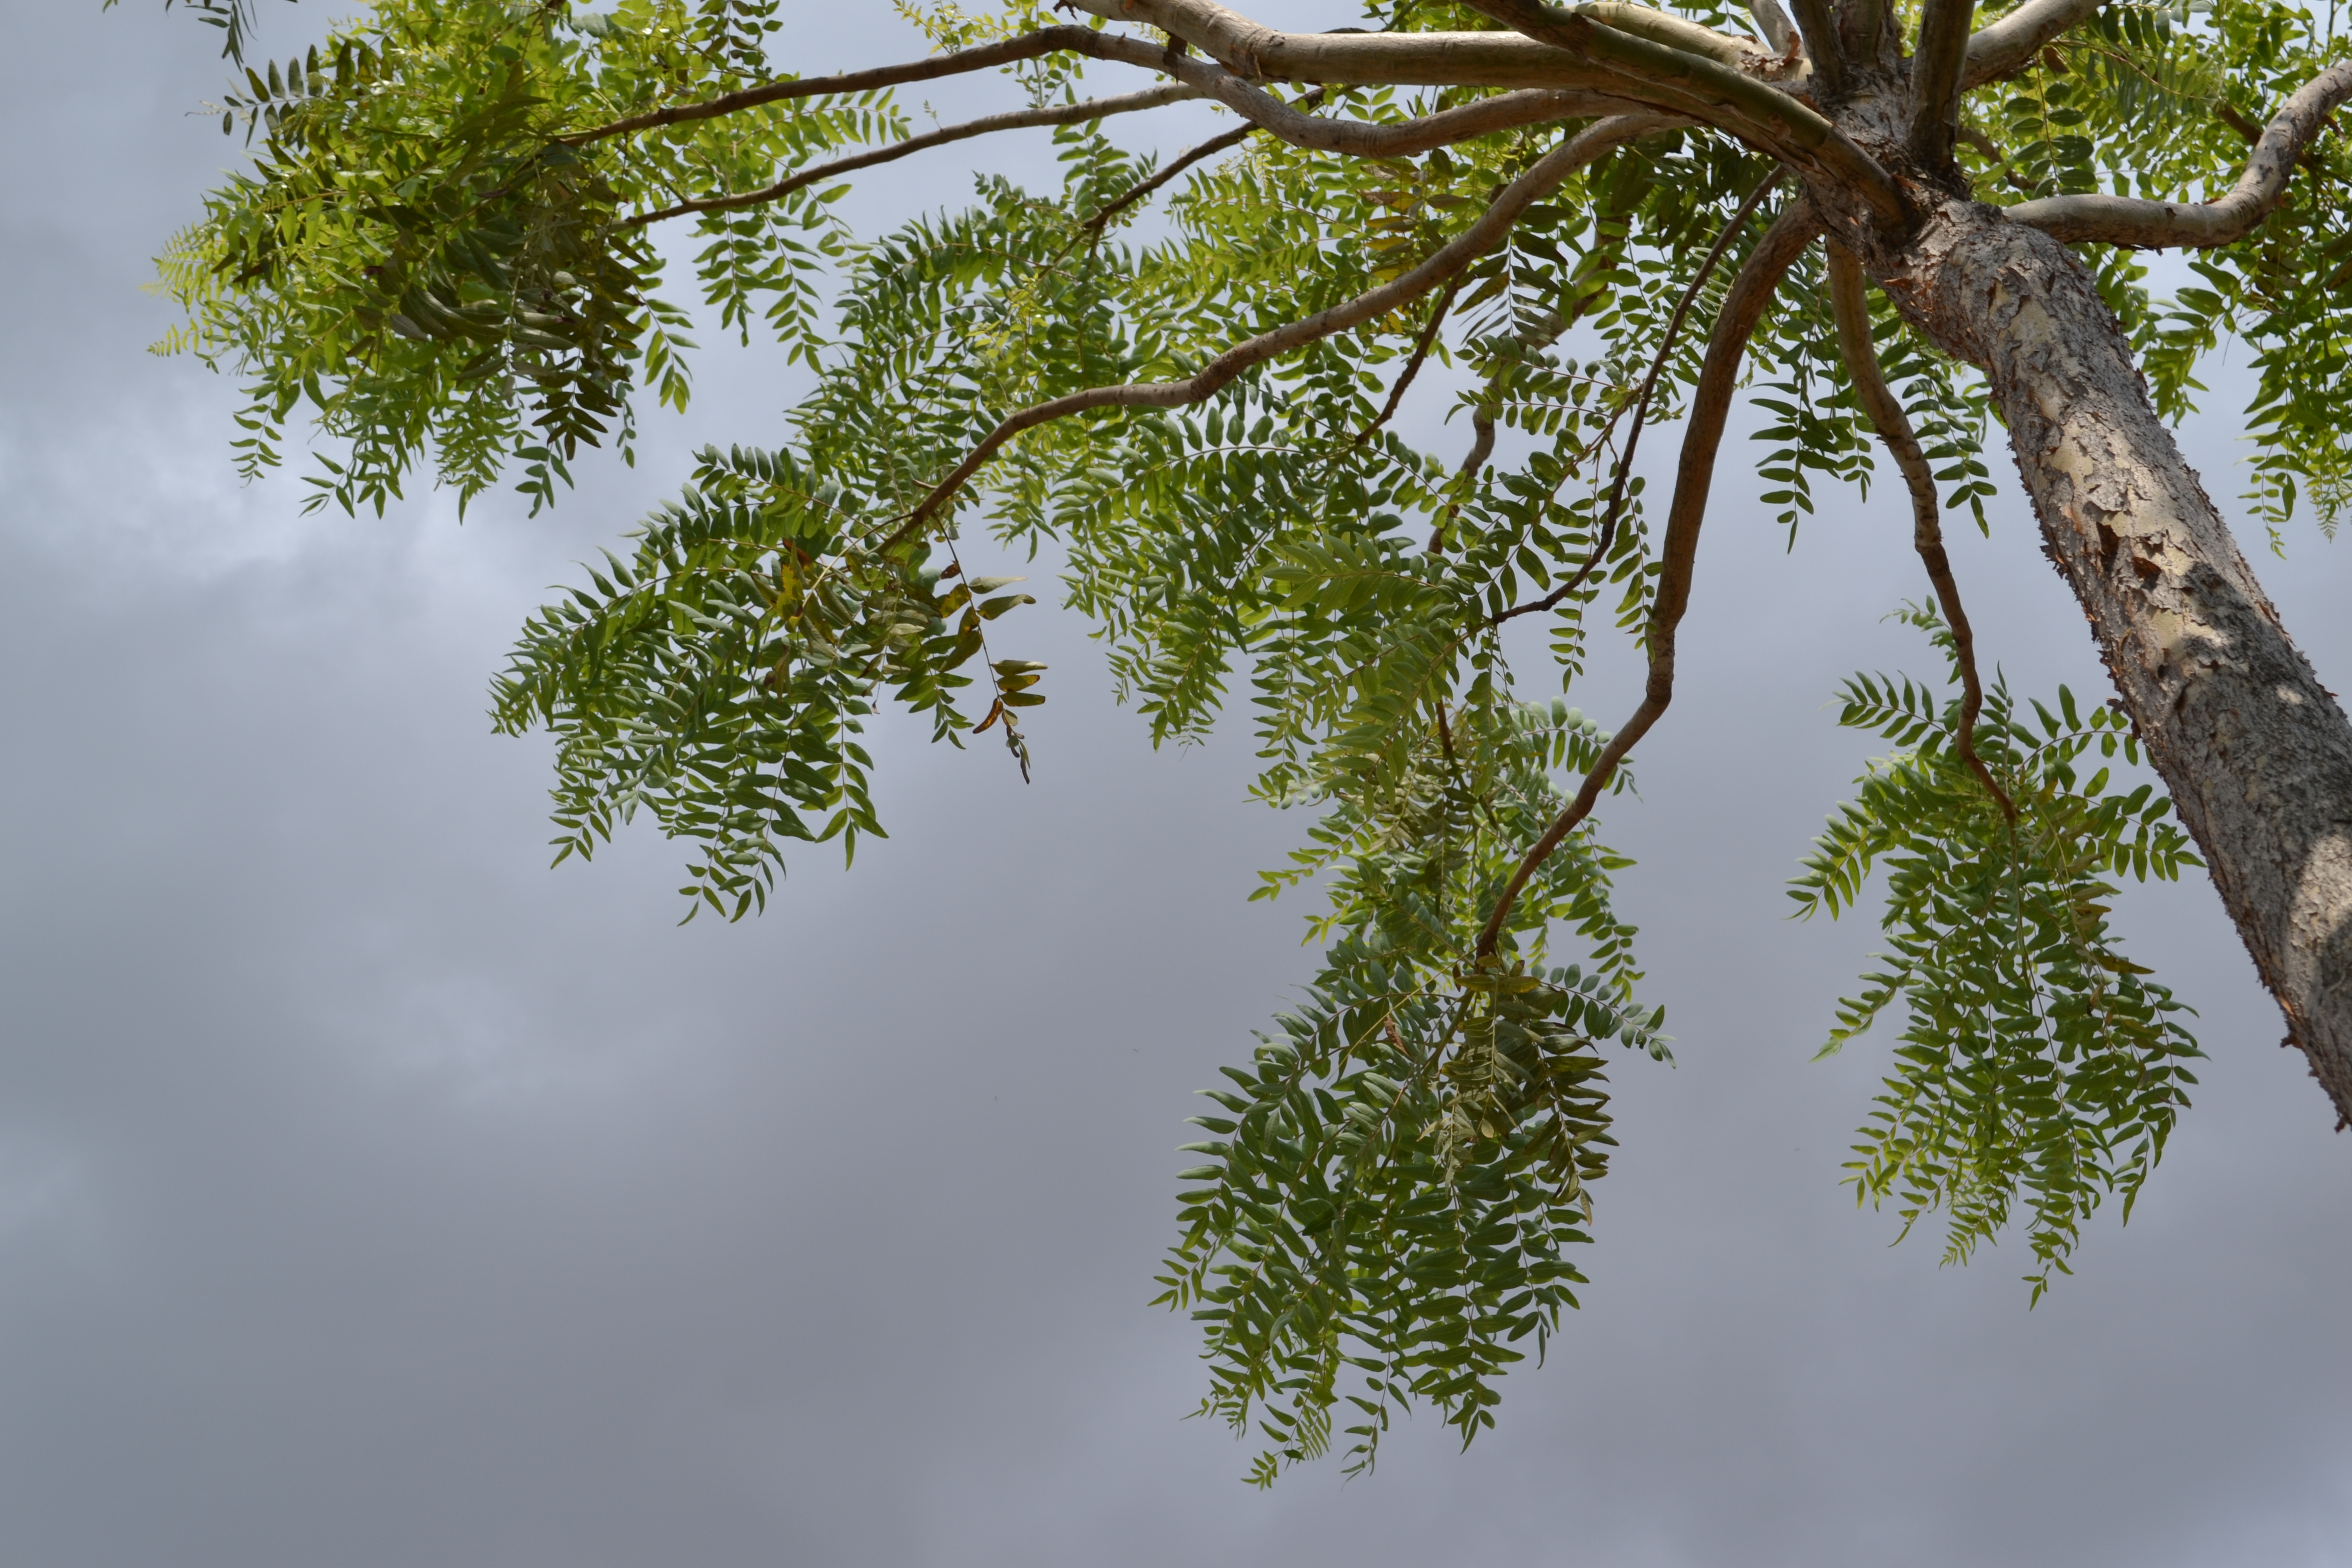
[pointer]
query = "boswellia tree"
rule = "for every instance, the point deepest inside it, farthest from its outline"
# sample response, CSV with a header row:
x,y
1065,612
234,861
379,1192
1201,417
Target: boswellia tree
x,y
1897,227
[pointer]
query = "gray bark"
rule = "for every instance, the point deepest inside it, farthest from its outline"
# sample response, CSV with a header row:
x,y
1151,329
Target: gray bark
x,y
2257,754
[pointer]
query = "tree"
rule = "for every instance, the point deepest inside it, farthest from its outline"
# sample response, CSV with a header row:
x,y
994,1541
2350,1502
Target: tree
x,y
443,256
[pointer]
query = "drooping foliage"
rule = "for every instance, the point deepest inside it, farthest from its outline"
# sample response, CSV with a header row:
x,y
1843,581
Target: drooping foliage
x,y
2037,1061
442,259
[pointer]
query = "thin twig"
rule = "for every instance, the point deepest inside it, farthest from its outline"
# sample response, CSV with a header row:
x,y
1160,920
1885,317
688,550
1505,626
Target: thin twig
x,y
1608,535
1006,51
1420,348
1539,181
1482,447
1177,165
1019,119
1743,306
1850,302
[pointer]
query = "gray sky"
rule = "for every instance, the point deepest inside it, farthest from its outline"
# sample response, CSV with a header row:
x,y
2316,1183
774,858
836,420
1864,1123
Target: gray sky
x,y
373,1196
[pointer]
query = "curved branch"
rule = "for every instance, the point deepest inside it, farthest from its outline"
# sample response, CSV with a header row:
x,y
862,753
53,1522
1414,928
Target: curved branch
x,y
1935,70
1020,119
1539,181
1007,51
1353,59
1401,139
2157,225
1743,307
1758,113
1849,303
1662,27
1608,534
2008,45
1422,345
1659,75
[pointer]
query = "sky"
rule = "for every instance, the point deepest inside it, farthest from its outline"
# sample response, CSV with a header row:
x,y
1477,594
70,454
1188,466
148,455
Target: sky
x,y
373,1196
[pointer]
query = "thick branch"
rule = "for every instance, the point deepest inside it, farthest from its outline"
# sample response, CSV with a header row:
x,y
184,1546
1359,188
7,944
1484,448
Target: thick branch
x,y
1773,23
1849,304
1403,139
2008,45
1759,114
1539,181
1607,535
1056,114
1367,60
2157,225
1743,307
1936,69
1867,33
1817,25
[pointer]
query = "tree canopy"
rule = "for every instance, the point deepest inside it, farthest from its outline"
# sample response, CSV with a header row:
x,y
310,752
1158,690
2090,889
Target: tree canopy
x,y
1182,373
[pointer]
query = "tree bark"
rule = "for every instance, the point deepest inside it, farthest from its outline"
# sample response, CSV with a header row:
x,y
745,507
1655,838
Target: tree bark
x,y
2257,754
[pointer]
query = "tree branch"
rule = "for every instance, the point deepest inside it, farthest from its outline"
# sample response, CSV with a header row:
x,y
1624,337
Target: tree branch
x,y
1817,25
1007,51
1367,59
1758,113
1420,348
1544,178
1177,165
1403,139
2008,45
1425,59
1743,307
1773,23
1607,533
2159,226
1019,119
1849,303
1936,69
1482,447
1866,31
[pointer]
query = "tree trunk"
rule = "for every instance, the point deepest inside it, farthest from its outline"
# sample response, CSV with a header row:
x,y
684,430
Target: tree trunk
x,y
2257,754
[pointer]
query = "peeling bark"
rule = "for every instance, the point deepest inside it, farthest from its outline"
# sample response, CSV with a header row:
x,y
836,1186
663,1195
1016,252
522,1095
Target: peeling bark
x,y
2257,754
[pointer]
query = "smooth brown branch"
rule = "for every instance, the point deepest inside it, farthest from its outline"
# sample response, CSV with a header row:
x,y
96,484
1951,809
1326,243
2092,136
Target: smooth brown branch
x,y
1607,533
1422,345
1415,59
2159,226
1773,23
1717,94
1937,67
1020,119
1540,180
2005,47
1399,138
1849,303
1743,307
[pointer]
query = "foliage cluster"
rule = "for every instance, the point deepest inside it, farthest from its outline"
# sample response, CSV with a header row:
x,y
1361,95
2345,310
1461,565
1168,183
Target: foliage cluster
x,y
441,257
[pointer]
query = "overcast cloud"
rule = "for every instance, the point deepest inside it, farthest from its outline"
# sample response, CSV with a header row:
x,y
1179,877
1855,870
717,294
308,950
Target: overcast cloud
x,y
373,1196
